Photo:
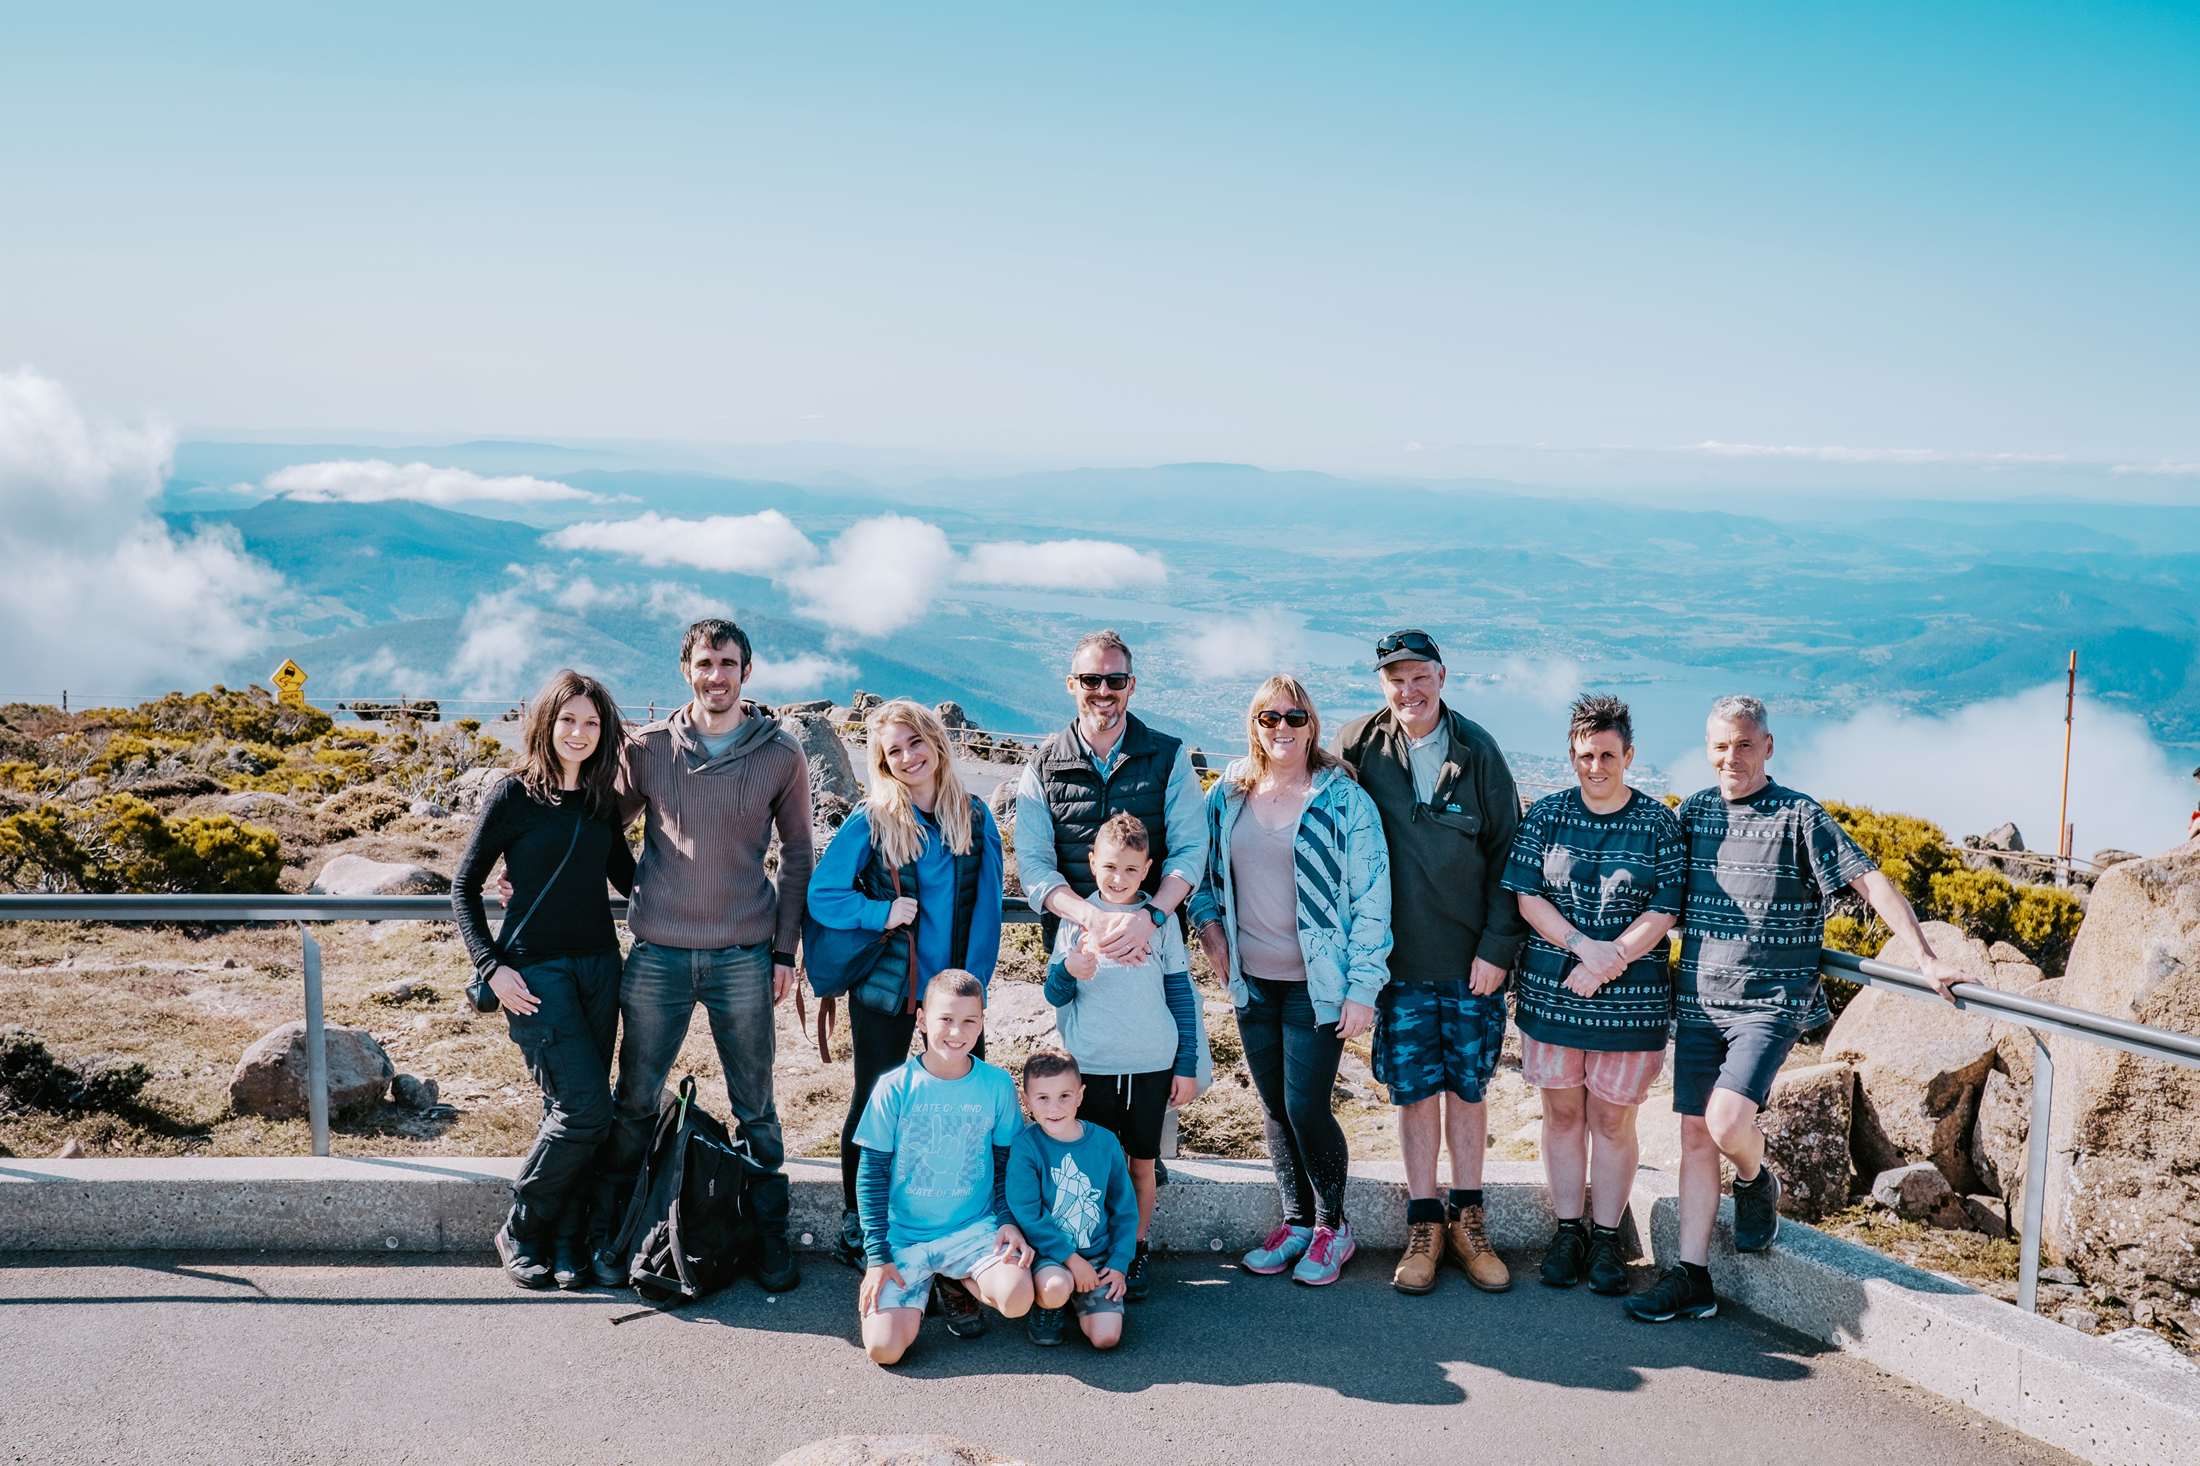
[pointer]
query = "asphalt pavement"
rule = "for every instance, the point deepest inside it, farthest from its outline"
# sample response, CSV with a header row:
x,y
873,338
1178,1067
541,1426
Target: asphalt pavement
x,y
234,1358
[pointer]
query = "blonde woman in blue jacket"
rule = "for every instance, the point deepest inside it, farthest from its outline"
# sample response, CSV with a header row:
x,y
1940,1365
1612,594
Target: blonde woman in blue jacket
x,y
1296,909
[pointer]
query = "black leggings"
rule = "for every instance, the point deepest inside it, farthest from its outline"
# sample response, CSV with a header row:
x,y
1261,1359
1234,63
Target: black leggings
x,y
1294,1066
881,1043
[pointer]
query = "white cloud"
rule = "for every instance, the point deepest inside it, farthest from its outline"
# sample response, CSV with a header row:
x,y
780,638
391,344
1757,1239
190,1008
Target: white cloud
x,y
2175,470
1864,455
734,544
504,640
97,587
1062,565
1552,684
372,481
383,674
880,574
2001,760
1258,645
804,672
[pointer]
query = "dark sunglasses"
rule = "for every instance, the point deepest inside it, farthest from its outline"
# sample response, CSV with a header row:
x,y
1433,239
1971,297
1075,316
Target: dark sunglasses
x,y
1093,681
1409,641
1269,717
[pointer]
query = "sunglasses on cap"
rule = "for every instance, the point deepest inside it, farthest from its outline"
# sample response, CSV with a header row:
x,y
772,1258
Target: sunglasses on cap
x,y
1094,681
1408,641
1269,717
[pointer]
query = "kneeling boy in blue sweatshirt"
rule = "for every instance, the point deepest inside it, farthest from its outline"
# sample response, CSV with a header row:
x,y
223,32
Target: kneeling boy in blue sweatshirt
x,y
1070,1194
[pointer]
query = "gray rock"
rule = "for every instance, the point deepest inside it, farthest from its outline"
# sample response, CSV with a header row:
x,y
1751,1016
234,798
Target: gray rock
x,y
256,802
1806,1124
355,875
1987,1215
2103,859
815,705
1919,1193
271,1077
1018,1014
415,1093
2122,1194
71,1150
469,789
892,1450
1998,1139
1919,1066
2151,1347
827,757
2078,1317
2061,1277
429,809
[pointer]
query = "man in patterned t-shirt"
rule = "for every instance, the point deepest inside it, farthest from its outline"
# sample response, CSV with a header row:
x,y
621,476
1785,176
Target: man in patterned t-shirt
x,y
1762,861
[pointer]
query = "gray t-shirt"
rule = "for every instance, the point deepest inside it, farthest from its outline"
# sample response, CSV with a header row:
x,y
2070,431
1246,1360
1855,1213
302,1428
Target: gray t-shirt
x,y
1759,872
1120,1023
1264,876
715,744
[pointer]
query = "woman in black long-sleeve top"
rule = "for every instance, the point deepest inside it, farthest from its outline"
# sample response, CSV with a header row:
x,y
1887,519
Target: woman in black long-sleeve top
x,y
554,966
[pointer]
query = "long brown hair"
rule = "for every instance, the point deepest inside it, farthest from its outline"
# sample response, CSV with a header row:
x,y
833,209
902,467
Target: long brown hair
x,y
1293,691
539,769
895,833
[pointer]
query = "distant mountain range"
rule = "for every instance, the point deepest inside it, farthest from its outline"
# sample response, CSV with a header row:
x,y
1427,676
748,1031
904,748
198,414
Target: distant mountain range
x,y
1936,605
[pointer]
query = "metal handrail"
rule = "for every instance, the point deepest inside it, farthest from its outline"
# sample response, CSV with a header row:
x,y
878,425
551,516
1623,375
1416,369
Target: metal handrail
x,y
2094,1028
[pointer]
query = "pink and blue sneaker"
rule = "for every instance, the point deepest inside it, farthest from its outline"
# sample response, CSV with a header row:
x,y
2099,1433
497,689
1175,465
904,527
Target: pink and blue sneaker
x,y
1284,1246
1325,1257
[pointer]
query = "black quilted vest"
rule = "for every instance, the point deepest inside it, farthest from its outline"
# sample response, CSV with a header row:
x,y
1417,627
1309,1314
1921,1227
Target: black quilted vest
x,y
1081,802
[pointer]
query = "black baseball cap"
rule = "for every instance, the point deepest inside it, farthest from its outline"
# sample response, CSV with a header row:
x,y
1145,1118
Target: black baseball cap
x,y
1407,646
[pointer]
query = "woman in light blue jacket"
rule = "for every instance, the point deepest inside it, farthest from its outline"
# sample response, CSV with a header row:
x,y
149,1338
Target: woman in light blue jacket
x,y
1296,909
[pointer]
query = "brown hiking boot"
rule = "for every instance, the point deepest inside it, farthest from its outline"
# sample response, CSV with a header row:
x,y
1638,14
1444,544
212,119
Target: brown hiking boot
x,y
1424,1252
1470,1249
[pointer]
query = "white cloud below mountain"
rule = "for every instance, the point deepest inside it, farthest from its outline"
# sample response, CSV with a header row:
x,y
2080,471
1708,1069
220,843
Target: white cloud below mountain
x,y
373,481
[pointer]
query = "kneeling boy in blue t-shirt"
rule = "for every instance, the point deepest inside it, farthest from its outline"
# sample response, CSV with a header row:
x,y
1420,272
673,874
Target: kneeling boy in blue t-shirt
x,y
1069,1189
931,1180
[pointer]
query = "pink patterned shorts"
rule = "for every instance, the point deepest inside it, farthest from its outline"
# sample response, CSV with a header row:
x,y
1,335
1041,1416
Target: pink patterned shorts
x,y
1617,1079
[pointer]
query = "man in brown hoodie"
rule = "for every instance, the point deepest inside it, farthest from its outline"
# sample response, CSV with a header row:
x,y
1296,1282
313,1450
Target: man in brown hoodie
x,y
715,779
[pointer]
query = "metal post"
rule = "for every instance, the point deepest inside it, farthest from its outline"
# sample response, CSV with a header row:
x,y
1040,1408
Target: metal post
x,y
2035,1176
2062,815
316,1045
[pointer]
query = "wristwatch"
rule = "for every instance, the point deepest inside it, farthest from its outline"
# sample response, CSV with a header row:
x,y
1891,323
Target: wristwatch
x,y
1160,917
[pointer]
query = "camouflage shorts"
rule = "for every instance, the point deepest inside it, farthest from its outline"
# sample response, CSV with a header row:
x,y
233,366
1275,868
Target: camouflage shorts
x,y
1433,1038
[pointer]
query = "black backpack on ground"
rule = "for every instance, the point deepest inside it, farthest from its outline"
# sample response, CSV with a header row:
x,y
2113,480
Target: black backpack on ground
x,y
691,1226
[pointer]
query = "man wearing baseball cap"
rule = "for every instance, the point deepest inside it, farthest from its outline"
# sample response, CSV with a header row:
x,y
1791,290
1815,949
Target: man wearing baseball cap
x,y
1449,810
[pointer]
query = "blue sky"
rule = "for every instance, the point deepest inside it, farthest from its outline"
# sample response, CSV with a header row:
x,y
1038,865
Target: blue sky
x,y
1291,235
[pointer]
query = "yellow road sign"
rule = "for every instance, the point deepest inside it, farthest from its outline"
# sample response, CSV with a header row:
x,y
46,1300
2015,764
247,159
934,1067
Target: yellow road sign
x,y
290,681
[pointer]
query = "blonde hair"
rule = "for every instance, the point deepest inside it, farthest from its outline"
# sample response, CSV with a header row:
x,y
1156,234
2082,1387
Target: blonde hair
x,y
895,833
1294,692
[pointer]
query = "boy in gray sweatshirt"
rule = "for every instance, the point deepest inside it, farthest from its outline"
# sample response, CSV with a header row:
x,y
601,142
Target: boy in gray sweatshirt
x,y
1133,1029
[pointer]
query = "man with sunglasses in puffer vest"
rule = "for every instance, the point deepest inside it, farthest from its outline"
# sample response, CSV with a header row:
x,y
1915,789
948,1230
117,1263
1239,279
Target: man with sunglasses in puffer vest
x,y
1449,809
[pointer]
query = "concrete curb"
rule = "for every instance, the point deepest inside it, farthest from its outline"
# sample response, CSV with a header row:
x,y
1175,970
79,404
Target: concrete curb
x,y
2052,1383
454,1204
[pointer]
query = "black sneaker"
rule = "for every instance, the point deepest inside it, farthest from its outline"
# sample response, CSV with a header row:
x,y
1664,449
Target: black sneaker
x,y
848,1246
964,1317
1046,1326
1562,1260
1607,1268
1137,1280
568,1268
522,1261
775,1265
606,1268
1676,1294
1756,1211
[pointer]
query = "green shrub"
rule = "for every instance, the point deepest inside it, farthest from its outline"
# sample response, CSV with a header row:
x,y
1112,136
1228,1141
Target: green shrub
x,y
248,715
31,1078
38,853
212,854
2044,922
122,843
1979,901
1909,850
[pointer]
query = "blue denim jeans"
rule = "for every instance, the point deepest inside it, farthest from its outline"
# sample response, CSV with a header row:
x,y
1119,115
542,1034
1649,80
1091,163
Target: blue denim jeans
x,y
657,1001
567,1043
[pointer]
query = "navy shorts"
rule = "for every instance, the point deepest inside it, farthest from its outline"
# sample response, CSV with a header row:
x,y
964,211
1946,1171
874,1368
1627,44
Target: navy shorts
x,y
1436,1038
1743,1055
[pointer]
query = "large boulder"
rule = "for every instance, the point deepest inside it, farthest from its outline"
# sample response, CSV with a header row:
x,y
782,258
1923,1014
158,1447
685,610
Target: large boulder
x,y
471,789
1919,1065
271,1077
1920,1193
355,875
2123,1189
827,756
1998,1138
1806,1128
